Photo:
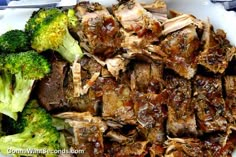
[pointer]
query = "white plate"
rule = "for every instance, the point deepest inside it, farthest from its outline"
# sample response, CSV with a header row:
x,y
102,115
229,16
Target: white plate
x,y
203,9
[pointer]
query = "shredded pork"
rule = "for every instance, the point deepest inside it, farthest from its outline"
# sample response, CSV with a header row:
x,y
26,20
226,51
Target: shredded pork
x,y
150,84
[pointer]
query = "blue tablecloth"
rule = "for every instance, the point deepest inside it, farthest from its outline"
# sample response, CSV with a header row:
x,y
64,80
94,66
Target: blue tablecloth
x,y
3,2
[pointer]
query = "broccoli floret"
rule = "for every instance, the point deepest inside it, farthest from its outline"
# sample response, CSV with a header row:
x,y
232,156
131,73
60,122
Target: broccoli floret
x,y
73,20
48,29
38,132
11,126
14,41
18,72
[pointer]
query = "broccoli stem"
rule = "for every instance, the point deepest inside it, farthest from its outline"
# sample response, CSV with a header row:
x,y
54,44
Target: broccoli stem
x,y
6,94
70,48
5,87
15,142
27,140
22,92
13,99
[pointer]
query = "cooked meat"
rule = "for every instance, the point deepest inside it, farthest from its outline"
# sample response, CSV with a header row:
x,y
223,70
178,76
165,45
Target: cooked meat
x,y
156,150
179,22
174,13
140,28
217,50
50,89
141,75
98,29
101,62
209,103
77,82
88,102
90,65
116,64
147,85
90,83
117,137
135,149
141,47
228,145
116,100
220,145
88,99
181,118
88,132
147,77
212,145
181,48
133,44
135,19
158,8
151,114
114,124
180,147
230,85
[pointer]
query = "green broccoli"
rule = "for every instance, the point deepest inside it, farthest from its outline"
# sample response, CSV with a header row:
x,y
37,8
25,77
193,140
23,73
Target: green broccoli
x,y
18,72
38,132
48,29
73,20
14,41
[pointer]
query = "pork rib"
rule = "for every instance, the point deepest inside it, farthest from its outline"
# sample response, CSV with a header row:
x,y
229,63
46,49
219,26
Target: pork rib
x,y
98,29
158,8
217,50
220,145
181,118
139,28
209,103
135,19
117,102
88,132
151,114
181,50
179,22
230,85
147,77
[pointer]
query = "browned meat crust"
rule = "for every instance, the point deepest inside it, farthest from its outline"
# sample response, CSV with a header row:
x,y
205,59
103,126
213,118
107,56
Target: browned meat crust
x,y
88,132
230,85
140,90
181,118
209,103
147,78
117,102
217,50
151,114
98,29
136,149
181,49
50,89
189,147
135,19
